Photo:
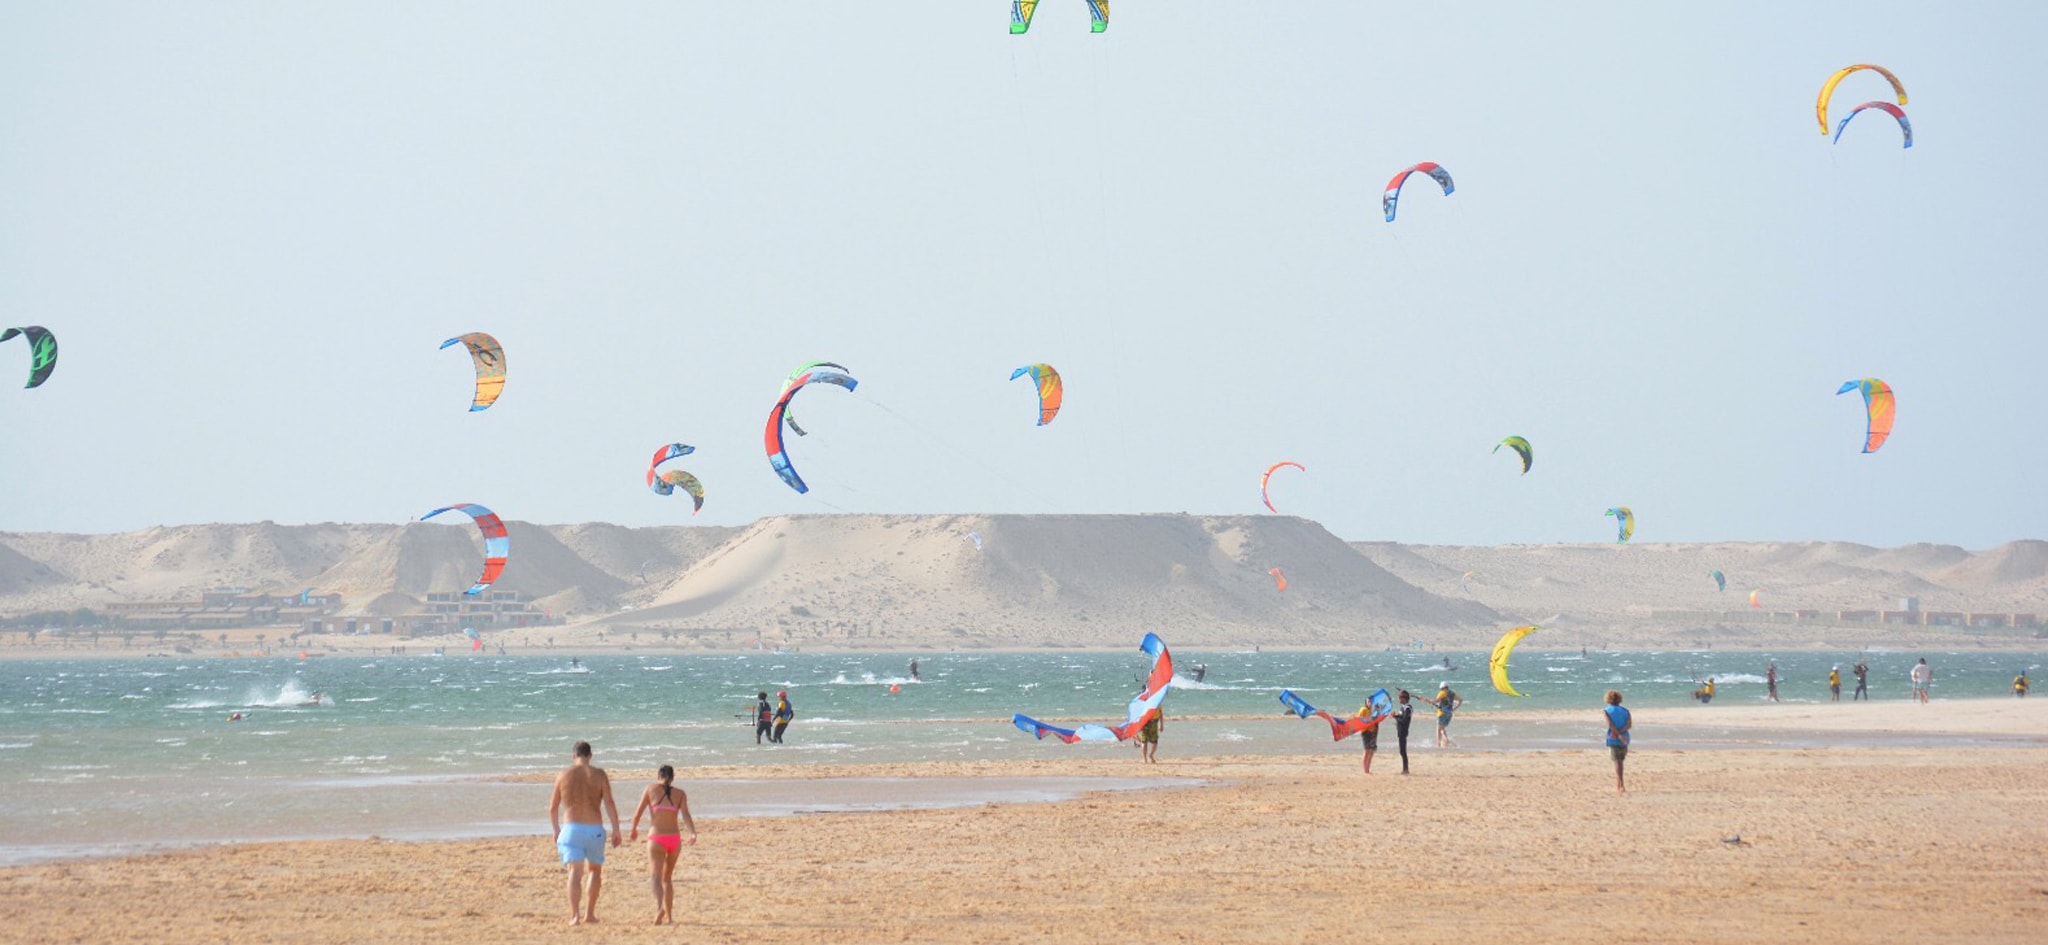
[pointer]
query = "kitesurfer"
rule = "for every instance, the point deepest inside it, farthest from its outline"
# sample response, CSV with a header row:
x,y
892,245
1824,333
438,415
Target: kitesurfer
x,y
1834,684
1618,724
783,713
1771,681
2020,685
1201,670
1148,736
1922,675
1862,671
913,669
764,718
580,790
1404,714
1447,703
665,805
1705,693
1371,737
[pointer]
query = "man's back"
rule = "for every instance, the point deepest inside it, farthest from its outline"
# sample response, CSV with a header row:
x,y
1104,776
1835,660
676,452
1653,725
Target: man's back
x,y
582,788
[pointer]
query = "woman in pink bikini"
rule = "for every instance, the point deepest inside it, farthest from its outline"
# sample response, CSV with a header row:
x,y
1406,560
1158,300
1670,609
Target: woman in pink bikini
x,y
667,804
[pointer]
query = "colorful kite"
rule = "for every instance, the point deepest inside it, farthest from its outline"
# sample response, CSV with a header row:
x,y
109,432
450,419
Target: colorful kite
x,y
1881,407
1498,662
42,351
667,483
1021,12
1753,602
490,366
1521,448
1624,522
1465,582
476,642
1393,194
1370,715
1905,127
1279,579
772,437
1720,580
1050,390
1827,90
497,544
1268,478
1144,707
790,416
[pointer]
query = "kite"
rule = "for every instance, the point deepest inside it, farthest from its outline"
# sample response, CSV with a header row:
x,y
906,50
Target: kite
x,y
1021,12
1905,127
1498,662
1369,716
476,642
1624,523
1144,706
1050,390
497,544
490,366
1279,579
790,417
1521,448
1827,90
772,437
976,538
1465,582
667,483
1268,478
42,351
1720,580
1752,598
1393,195
1878,402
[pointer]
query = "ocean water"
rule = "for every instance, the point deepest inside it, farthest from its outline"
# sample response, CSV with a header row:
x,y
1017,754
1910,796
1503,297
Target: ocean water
x,y
101,756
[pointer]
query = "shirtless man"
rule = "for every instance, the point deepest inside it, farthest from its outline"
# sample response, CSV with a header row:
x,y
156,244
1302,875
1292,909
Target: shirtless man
x,y
582,788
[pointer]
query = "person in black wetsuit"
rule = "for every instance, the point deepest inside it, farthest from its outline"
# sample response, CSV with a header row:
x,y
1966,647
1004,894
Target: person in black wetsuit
x,y
1403,714
764,718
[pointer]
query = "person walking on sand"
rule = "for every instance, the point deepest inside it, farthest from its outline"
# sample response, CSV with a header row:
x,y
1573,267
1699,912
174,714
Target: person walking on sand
x,y
1835,684
1862,671
1618,723
1922,675
666,805
1447,703
1404,714
1148,736
580,790
764,718
783,713
1771,682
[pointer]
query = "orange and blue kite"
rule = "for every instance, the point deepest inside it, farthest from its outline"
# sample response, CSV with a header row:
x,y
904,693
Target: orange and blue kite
x,y
1880,407
1050,389
1370,715
778,457
497,544
1144,706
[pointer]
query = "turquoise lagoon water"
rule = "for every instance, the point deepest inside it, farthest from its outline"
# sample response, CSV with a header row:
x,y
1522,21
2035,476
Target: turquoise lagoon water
x,y
124,755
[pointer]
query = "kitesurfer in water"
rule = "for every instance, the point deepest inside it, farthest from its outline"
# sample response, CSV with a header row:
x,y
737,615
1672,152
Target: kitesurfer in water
x,y
1403,715
783,713
1705,693
1771,682
1834,684
1447,703
1201,670
913,669
666,805
764,718
1862,671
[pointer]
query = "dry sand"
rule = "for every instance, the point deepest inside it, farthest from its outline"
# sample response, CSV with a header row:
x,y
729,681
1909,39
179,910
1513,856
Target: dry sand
x,y
1837,846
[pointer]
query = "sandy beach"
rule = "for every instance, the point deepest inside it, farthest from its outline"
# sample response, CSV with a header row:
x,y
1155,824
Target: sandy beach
x,y
1836,845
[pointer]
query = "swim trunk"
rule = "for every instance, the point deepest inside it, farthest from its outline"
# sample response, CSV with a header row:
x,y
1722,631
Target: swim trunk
x,y
671,842
1372,739
581,843
1443,721
1617,752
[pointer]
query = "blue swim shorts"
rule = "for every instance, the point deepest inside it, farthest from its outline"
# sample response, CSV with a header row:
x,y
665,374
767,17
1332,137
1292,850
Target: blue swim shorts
x,y
581,843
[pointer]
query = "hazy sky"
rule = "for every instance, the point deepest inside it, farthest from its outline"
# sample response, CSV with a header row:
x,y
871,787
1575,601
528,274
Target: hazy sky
x,y
250,224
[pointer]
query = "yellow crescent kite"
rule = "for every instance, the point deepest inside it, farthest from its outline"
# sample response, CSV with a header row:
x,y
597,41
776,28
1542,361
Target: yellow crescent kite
x,y
1498,662
1827,89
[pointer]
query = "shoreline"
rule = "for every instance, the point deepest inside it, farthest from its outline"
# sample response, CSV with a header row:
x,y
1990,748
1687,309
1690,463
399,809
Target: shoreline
x,y
1805,846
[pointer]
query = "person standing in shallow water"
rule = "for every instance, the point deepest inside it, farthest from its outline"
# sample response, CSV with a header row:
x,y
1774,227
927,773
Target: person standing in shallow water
x,y
1862,671
1771,681
783,713
764,718
1618,725
1922,675
1835,684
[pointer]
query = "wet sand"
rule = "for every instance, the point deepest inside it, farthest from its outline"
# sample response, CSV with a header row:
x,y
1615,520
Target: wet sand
x,y
1837,845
